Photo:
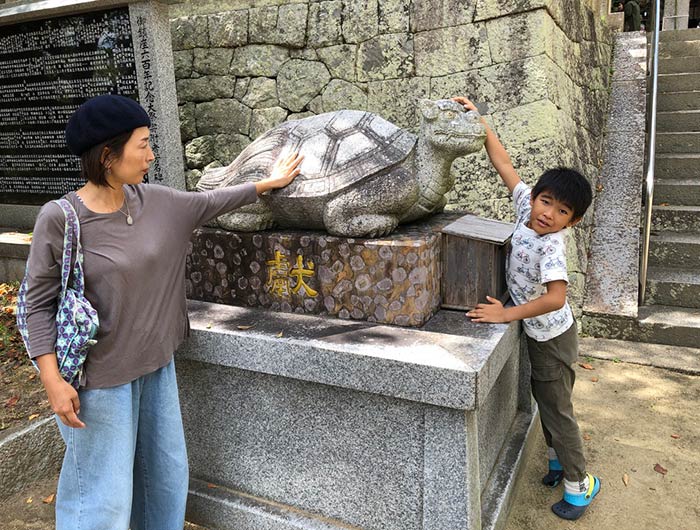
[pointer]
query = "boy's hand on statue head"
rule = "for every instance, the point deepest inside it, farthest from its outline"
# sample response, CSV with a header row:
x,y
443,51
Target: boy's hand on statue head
x,y
493,312
469,105
465,102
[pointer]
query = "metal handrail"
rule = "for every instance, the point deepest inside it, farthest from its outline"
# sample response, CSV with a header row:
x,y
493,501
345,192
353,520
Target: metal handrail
x,y
653,72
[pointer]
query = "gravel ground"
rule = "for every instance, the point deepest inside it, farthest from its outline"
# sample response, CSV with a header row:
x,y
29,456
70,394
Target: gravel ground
x,y
633,417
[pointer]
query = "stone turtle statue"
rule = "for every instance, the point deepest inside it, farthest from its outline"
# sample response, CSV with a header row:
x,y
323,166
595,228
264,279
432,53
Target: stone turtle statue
x,y
361,175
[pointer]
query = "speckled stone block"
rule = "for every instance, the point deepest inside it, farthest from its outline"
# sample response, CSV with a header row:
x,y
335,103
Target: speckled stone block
x,y
28,454
304,422
393,280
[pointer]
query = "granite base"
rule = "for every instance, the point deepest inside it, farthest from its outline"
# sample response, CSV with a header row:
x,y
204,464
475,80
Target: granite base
x,y
316,423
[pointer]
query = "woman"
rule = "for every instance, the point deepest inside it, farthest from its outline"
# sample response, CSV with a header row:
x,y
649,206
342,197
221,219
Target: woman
x,y
125,462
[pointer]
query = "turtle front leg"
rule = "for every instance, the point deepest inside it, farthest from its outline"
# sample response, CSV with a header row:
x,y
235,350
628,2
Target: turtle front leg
x,y
250,218
373,210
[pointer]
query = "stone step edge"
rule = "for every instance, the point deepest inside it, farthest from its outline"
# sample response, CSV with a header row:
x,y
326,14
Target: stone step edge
x,y
678,208
681,181
680,359
668,236
677,156
677,112
14,244
498,493
679,35
681,93
670,275
650,324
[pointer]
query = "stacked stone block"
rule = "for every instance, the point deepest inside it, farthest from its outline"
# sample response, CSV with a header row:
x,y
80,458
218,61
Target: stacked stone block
x,y
541,66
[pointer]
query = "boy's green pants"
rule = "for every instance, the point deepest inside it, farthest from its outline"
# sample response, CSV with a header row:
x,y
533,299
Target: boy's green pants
x,y
552,381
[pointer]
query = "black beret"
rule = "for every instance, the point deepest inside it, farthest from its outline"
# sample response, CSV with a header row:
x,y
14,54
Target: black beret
x,y
102,118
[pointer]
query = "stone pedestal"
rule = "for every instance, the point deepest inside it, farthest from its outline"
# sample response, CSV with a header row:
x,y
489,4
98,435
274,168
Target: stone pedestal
x,y
392,280
303,422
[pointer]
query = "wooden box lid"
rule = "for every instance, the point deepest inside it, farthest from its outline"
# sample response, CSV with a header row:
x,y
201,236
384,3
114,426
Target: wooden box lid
x,y
475,227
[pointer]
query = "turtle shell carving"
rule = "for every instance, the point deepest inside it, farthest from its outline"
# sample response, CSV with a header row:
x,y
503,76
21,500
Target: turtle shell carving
x,y
361,175
340,149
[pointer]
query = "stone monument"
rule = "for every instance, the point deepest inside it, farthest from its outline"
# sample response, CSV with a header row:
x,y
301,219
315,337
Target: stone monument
x,y
299,421
56,55
361,175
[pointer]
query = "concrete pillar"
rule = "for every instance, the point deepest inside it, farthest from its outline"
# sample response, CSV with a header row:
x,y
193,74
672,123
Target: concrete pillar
x,y
675,14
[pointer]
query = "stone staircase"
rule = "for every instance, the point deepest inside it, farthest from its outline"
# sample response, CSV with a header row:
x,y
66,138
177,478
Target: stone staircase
x,y
673,281
671,314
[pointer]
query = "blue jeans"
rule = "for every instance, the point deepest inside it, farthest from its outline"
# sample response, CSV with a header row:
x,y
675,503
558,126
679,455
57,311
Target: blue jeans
x,y
128,466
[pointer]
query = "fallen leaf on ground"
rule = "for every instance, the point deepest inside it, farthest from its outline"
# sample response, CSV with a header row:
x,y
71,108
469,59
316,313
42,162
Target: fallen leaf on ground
x,y
33,416
586,366
12,401
212,486
586,436
32,377
626,479
245,327
675,436
30,500
599,187
49,499
279,334
660,469
594,379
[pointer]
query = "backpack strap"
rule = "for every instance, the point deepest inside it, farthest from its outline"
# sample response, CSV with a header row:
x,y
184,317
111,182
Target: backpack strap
x,y
72,230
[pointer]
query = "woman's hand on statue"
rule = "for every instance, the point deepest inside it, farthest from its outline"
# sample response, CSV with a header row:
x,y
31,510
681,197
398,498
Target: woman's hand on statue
x,y
283,172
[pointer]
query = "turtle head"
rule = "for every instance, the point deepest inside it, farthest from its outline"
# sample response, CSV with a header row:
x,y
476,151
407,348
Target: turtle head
x,y
447,127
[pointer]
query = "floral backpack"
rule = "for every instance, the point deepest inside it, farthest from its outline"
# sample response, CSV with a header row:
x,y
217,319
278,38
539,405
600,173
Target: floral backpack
x,y
76,320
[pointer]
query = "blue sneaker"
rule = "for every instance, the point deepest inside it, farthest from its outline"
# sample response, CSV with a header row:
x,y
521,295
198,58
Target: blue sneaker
x,y
572,506
555,474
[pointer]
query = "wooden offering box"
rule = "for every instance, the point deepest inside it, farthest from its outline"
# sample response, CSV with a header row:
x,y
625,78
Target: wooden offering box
x,y
473,261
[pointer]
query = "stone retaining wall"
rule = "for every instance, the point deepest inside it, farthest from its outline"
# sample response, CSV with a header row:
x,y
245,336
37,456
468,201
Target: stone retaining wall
x,y
32,453
542,67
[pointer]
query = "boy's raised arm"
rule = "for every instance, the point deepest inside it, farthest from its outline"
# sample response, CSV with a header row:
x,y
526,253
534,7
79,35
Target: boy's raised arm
x,y
497,153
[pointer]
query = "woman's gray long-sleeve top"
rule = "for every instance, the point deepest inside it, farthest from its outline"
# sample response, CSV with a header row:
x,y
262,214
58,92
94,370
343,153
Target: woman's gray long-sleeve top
x,y
134,276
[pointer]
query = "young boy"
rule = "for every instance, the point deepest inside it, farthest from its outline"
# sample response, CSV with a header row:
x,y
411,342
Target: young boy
x,y
537,278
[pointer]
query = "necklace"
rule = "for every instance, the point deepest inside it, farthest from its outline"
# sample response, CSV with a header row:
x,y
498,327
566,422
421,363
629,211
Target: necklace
x,y
129,219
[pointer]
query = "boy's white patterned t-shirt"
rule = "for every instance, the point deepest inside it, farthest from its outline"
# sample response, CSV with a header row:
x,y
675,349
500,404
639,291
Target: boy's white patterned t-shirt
x,y
535,260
